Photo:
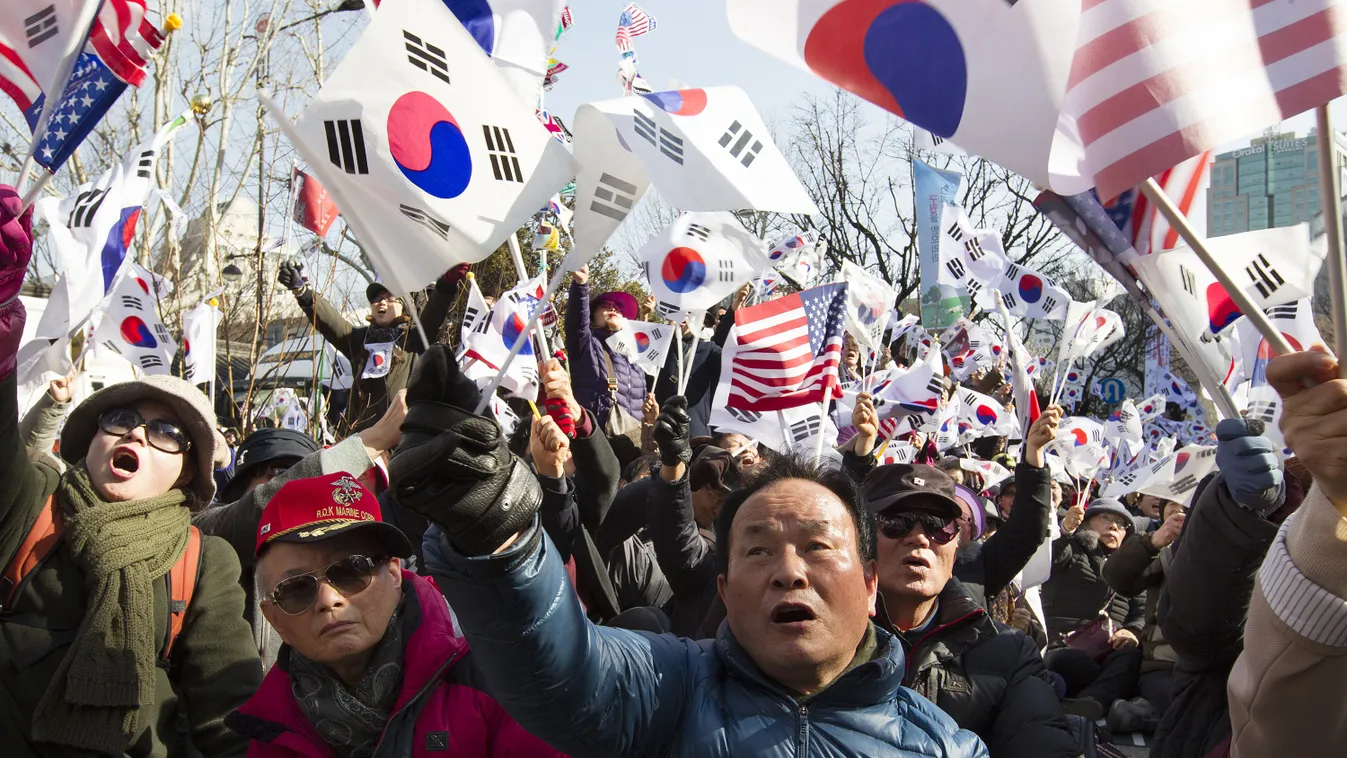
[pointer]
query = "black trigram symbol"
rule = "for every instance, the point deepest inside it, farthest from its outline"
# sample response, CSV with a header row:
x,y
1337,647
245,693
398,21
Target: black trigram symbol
x,y
164,334
41,26
1009,300
476,320
426,56
1264,410
645,127
617,198
974,249
1282,312
149,361
1012,272
1264,276
1189,281
1159,465
666,141
700,232
1127,480
955,231
131,301
145,164
1183,485
726,270
113,346
741,138
956,268
936,386
1049,304
804,429
657,334
936,139
671,146
86,207
748,417
529,371
665,309
504,160
419,216
346,145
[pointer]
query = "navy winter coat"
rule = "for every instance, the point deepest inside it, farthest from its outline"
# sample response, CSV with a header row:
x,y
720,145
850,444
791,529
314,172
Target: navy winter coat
x,y
598,691
589,372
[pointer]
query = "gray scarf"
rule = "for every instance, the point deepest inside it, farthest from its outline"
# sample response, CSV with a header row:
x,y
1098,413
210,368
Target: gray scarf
x,y
351,722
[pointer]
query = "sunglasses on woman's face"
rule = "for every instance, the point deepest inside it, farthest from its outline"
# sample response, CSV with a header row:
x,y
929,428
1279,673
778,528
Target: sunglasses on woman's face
x,y
162,435
939,530
350,576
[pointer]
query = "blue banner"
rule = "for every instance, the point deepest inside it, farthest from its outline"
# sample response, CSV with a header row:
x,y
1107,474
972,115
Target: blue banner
x,y
941,305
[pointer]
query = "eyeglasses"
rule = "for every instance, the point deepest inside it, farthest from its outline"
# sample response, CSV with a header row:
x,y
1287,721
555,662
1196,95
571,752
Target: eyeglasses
x,y
350,576
162,435
939,530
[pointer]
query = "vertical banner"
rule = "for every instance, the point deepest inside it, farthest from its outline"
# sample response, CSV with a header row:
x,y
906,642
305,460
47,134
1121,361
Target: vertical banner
x,y
941,305
1157,359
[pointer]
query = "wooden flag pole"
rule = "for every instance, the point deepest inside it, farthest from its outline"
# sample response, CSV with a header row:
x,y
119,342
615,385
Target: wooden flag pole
x,y
1330,201
1199,246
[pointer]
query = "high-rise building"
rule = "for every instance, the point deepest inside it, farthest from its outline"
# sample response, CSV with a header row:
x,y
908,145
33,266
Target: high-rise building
x,y
1273,182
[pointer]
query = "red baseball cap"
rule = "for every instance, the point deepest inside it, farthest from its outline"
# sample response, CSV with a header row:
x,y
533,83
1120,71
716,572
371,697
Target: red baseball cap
x,y
322,507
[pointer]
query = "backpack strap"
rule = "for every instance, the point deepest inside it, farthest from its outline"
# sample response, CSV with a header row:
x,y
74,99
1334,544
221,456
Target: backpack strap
x,y
36,546
182,579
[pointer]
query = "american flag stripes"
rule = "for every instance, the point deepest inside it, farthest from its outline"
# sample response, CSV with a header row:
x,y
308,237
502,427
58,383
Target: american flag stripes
x,y
785,353
1147,230
16,80
633,22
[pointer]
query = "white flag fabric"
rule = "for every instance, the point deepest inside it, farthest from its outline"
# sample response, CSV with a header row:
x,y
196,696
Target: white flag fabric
x,y
699,260
791,244
476,314
199,329
486,348
916,390
1123,425
1099,329
992,473
782,431
427,161
1296,323
706,150
517,35
43,33
1275,266
1173,477
610,180
1151,407
869,301
131,326
983,416
975,260
644,343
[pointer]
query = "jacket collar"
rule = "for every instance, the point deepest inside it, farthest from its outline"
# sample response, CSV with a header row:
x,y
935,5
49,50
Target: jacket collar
x,y
433,642
956,605
871,683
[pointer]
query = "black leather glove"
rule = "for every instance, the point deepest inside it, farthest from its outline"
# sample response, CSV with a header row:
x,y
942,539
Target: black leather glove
x,y
673,432
454,467
291,276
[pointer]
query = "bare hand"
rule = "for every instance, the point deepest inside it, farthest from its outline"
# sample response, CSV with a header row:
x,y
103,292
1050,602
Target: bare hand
x,y
62,389
581,275
1041,433
866,420
550,448
387,431
651,303
557,385
1168,531
1313,418
1123,639
1074,515
741,296
650,409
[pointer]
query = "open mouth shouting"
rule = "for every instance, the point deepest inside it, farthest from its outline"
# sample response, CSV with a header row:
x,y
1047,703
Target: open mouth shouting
x,y
125,462
793,617
917,562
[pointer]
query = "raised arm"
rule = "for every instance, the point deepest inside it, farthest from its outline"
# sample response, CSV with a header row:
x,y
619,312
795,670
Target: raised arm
x,y
438,305
42,423
326,319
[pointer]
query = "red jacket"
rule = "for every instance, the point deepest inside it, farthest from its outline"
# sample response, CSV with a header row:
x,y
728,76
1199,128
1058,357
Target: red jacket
x,y
441,710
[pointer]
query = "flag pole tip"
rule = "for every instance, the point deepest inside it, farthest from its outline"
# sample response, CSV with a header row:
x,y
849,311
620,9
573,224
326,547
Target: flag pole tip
x,y
173,23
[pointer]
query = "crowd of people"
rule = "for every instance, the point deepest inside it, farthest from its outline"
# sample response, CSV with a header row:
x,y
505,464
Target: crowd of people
x,y
618,577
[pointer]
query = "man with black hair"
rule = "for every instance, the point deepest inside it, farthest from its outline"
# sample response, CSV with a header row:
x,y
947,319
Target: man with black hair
x,y
796,667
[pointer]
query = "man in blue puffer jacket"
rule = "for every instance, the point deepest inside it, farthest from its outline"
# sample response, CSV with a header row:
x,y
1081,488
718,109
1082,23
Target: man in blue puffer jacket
x,y
797,669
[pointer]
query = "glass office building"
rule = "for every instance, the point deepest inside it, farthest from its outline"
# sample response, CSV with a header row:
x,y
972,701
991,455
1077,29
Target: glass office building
x,y
1273,182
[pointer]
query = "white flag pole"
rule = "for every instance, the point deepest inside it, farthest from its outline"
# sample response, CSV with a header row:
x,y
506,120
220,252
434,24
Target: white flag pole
x,y
523,337
1199,246
694,320
1330,201
822,426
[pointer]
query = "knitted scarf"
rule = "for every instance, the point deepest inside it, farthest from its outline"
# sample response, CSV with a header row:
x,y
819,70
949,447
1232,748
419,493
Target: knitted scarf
x,y
352,721
94,700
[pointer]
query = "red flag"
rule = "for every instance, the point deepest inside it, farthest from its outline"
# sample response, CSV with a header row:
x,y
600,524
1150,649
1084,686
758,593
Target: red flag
x,y
314,209
1034,412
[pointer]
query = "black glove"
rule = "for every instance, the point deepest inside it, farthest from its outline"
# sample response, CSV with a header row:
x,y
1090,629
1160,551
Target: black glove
x,y
454,467
673,432
291,276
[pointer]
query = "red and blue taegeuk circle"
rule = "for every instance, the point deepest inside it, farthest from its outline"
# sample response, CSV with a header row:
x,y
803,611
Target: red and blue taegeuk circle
x,y
1031,288
683,270
514,326
642,342
428,146
868,314
137,332
680,102
1079,437
1266,353
1221,310
902,55
986,415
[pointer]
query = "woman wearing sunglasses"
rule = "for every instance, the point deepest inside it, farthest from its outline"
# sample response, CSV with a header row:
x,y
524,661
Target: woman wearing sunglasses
x,y
373,658
93,663
987,677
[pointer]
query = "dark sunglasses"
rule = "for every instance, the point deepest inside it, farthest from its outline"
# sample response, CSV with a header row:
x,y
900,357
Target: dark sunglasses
x,y
939,530
162,435
350,576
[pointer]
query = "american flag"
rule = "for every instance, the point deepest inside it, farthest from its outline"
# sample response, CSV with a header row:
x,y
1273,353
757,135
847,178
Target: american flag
x,y
16,80
1144,226
124,39
785,353
91,92
1153,83
633,22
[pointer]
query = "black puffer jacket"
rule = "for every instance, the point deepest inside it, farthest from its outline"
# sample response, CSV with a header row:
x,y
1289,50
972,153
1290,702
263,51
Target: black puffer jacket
x,y
988,568
1076,592
1208,586
686,553
987,677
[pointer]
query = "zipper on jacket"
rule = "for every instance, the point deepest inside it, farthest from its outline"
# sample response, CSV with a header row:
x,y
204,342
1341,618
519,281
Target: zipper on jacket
x,y
802,734
430,683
